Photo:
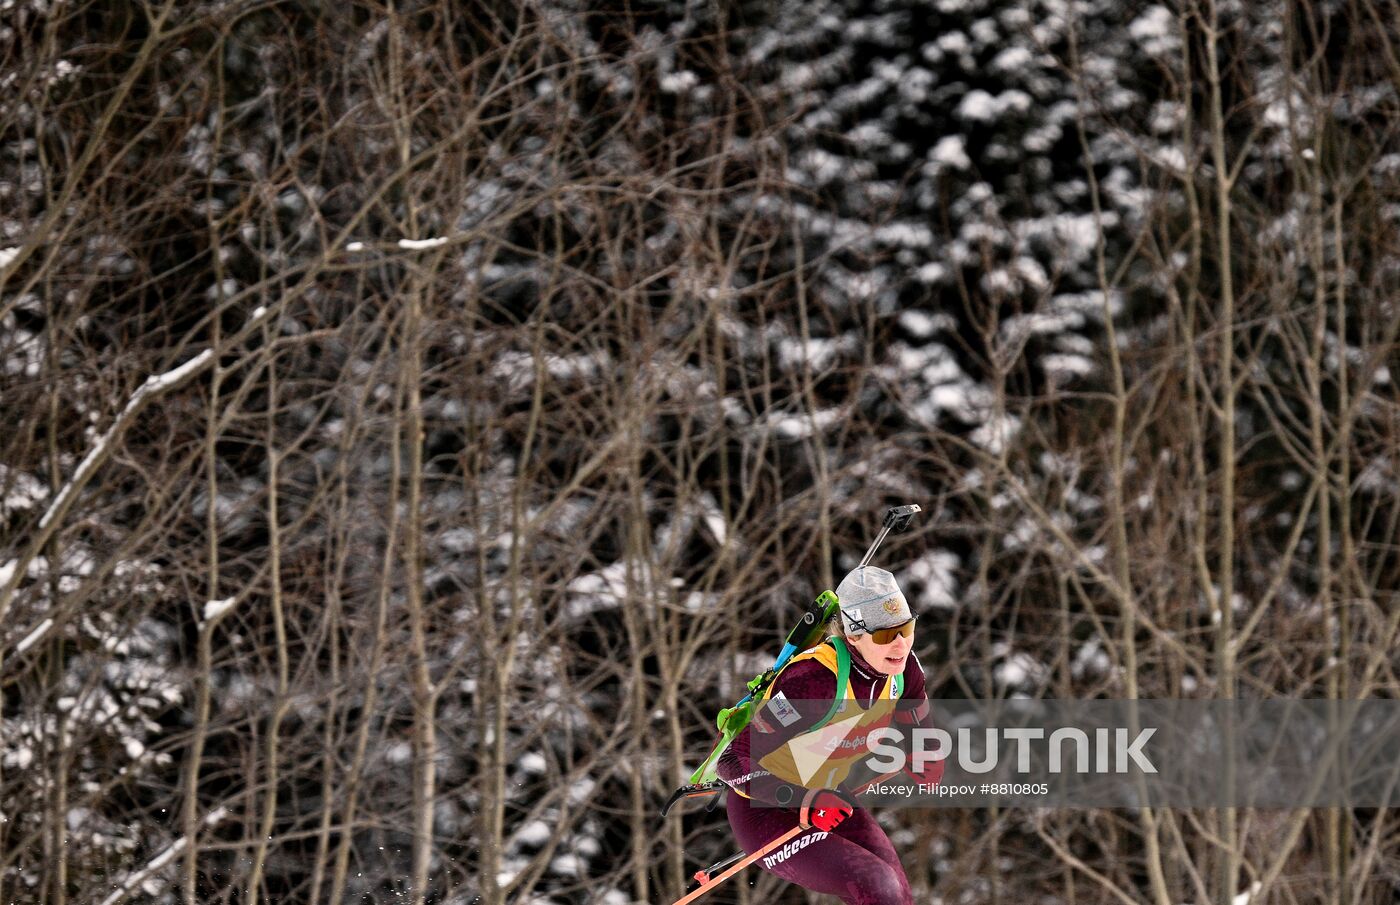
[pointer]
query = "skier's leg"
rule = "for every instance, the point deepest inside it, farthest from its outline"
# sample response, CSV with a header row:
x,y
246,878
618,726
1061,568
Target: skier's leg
x,y
826,863
864,830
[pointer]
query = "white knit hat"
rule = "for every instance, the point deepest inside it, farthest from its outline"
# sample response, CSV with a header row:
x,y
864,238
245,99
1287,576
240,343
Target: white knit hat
x,y
871,599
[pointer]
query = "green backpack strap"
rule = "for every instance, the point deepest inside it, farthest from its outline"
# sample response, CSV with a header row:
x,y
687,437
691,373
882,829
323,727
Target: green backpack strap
x,y
843,675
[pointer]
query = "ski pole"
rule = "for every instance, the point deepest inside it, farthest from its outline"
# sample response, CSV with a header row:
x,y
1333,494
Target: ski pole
x,y
706,884
897,517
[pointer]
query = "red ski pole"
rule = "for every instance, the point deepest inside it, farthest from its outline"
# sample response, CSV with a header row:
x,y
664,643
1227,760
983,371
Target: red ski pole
x,y
707,883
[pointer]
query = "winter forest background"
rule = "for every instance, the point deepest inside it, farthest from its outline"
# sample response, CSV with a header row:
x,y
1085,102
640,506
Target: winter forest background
x,y
421,417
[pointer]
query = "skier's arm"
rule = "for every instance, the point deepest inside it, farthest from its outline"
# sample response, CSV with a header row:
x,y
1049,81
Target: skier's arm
x,y
802,694
912,711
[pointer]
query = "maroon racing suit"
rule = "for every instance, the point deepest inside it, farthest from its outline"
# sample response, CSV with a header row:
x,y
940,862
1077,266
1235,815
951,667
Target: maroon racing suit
x,y
854,862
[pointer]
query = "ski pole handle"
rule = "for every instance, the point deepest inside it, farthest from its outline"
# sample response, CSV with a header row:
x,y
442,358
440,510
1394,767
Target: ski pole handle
x,y
707,884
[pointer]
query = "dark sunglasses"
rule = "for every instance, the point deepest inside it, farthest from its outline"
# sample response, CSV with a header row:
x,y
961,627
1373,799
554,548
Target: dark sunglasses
x,y
886,635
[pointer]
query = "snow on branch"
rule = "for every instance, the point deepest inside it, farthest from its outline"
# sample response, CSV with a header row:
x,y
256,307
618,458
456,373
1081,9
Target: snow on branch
x,y
63,500
153,866
154,384
406,244
214,610
35,636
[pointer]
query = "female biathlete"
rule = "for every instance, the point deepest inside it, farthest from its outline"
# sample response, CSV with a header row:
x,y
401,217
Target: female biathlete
x,y
801,760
